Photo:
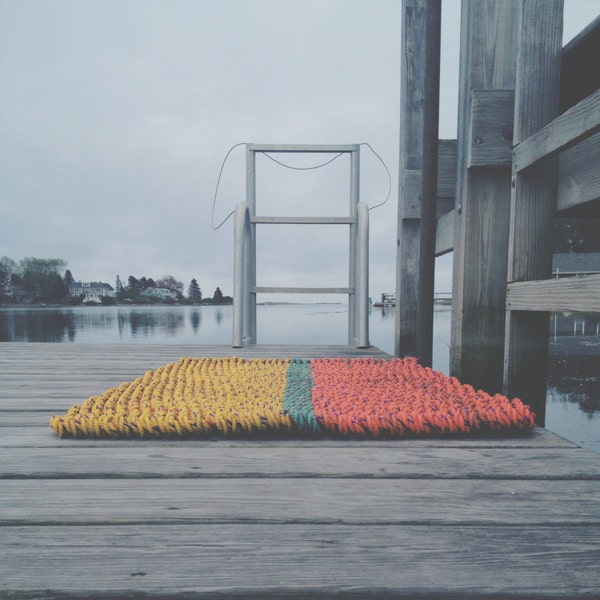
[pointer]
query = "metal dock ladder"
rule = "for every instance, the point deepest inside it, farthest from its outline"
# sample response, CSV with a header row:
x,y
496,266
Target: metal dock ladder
x,y
244,273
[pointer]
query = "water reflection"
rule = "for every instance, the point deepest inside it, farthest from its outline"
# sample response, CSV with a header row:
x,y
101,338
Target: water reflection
x,y
574,363
195,320
103,324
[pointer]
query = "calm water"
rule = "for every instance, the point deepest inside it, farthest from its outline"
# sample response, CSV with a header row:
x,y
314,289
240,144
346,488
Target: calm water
x,y
573,409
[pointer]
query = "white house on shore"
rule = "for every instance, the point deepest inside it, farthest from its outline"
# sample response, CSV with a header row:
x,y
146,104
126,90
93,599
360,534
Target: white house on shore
x,y
91,290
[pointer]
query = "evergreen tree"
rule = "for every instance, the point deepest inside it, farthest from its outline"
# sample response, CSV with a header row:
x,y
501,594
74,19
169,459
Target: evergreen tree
x,y
69,279
133,285
218,296
119,289
59,290
194,292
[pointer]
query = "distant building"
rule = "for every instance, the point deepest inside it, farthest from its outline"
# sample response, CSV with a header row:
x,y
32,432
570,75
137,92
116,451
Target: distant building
x,y
17,293
161,293
91,290
569,264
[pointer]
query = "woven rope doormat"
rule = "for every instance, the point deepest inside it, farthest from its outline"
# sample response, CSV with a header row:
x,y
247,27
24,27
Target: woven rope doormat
x,y
358,397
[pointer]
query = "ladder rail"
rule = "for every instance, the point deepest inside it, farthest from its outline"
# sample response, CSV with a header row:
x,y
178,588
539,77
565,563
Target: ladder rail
x,y
245,288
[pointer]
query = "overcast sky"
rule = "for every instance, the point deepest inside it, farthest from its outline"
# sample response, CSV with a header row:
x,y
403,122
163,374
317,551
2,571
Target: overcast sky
x,y
116,115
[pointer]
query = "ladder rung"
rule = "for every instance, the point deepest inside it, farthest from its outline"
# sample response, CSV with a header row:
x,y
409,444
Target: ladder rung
x,y
302,290
305,220
323,148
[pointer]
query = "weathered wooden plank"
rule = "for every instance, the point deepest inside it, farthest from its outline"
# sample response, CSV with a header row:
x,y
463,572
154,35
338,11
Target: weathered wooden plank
x,y
431,39
491,128
565,294
487,63
477,335
565,131
347,501
301,561
410,176
309,460
533,199
579,178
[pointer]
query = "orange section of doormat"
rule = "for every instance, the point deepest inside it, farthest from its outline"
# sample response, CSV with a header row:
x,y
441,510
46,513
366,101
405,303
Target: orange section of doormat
x,y
342,397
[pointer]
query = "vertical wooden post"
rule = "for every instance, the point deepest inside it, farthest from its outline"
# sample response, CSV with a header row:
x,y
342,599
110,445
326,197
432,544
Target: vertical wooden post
x,y
486,93
533,199
418,178
431,104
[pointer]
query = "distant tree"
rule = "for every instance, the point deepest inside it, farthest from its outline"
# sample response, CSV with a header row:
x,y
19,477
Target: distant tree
x,y
59,291
7,268
119,289
132,283
146,282
218,296
107,300
68,279
39,276
194,292
170,283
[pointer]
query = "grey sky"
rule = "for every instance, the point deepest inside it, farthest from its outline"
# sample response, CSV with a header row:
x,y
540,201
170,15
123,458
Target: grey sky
x,y
115,116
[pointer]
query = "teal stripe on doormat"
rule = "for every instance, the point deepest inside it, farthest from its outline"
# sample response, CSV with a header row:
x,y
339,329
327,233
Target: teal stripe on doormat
x,y
297,400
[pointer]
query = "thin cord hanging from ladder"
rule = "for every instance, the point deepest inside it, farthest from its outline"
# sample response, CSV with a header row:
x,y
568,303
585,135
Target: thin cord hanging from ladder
x,y
389,177
287,166
302,168
212,219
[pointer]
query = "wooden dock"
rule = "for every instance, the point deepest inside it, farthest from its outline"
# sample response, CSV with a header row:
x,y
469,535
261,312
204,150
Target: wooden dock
x,y
470,518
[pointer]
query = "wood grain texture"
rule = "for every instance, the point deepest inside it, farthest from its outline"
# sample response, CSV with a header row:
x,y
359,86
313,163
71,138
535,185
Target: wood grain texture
x,y
533,198
337,459
579,178
277,518
302,561
489,37
566,130
566,294
346,501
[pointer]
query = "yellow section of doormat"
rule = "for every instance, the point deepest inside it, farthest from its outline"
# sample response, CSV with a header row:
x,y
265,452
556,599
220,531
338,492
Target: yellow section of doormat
x,y
194,395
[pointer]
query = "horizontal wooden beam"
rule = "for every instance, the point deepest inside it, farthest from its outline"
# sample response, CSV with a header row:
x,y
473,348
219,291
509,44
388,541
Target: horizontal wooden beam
x,y
573,126
579,176
576,294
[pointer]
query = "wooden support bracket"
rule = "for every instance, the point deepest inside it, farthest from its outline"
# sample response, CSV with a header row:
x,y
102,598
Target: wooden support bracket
x,y
491,132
